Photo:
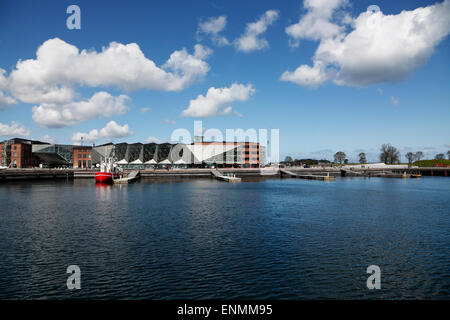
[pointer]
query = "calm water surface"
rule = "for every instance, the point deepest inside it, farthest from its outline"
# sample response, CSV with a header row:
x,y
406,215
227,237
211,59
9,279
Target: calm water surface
x,y
205,239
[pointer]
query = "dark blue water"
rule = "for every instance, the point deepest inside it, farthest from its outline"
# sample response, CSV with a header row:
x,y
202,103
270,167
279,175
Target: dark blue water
x,y
204,239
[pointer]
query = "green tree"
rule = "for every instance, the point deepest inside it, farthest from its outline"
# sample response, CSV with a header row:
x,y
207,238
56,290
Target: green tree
x,y
362,157
448,155
389,154
288,159
339,157
439,156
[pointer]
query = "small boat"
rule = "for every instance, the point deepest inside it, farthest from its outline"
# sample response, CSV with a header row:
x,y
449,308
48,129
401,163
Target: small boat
x,y
108,172
103,177
416,175
132,176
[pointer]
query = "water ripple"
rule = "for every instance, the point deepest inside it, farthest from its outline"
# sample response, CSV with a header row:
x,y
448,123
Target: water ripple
x,y
202,239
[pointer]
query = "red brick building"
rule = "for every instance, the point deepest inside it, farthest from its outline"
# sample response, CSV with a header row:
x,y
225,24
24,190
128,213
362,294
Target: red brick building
x,y
82,157
16,153
251,154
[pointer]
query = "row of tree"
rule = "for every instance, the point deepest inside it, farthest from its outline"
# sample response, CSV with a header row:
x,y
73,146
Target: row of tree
x,y
417,156
300,162
388,154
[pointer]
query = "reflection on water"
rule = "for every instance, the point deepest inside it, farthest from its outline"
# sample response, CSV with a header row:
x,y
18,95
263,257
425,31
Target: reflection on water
x,y
201,238
103,191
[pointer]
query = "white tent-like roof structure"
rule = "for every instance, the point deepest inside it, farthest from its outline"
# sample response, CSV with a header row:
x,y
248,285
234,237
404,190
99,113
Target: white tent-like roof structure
x,y
206,152
123,161
181,161
137,161
167,161
152,161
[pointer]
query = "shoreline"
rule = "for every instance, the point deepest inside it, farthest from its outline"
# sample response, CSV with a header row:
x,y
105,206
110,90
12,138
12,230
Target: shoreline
x,y
39,173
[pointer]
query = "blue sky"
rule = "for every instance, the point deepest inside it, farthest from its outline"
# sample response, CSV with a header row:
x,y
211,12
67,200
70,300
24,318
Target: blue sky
x,y
405,102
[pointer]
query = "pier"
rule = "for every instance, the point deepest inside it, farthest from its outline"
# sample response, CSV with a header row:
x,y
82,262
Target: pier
x,y
307,176
218,175
35,174
344,172
131,177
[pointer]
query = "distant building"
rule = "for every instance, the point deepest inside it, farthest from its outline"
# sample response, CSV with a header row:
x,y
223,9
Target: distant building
x,y
231,154
21,153
82,157
54,155
380,165
198,154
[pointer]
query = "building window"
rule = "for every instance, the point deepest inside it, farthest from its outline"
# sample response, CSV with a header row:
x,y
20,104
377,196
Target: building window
x,y
89,156
89,163
79,155
84,163
15,147
15,154
79,163
84,156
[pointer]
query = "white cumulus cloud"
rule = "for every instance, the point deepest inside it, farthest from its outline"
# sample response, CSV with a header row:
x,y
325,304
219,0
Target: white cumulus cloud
x,y
5,100
216,101
101,104
153,139
251,40
317,23
378,48
308,76
3,80
15,129
212,27
60,66
110,131
48,139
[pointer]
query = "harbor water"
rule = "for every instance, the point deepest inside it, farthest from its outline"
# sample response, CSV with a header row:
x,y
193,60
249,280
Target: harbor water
x,y
207,239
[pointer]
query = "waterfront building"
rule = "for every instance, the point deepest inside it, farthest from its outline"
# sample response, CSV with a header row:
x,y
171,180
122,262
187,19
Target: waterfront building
x,y
135,155
200,154
82,157
22,153
17,153
232,154
380,165
54,155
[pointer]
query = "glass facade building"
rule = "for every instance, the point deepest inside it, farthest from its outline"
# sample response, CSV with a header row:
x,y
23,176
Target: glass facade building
x,y
54,155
